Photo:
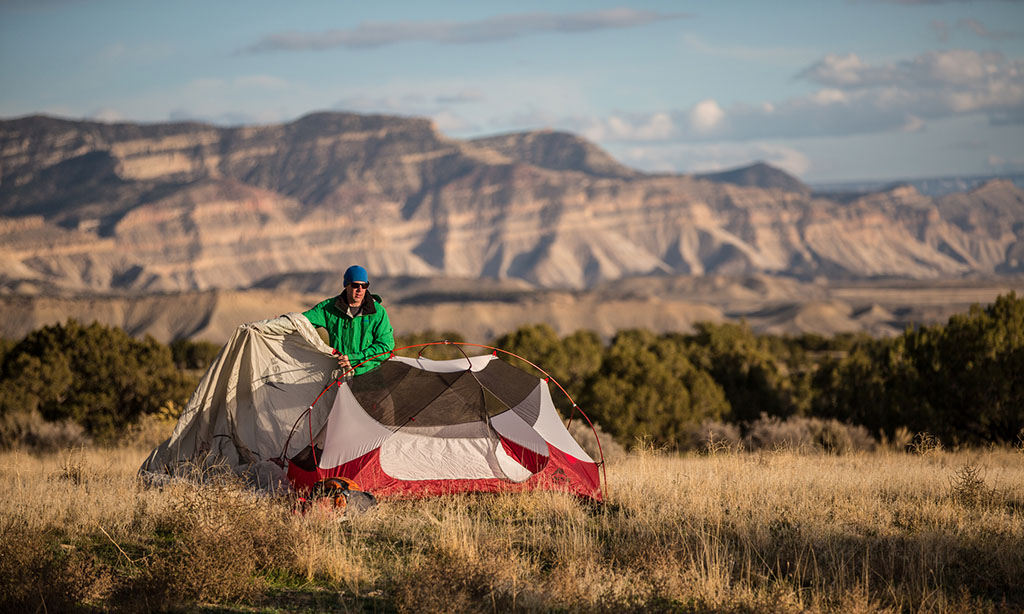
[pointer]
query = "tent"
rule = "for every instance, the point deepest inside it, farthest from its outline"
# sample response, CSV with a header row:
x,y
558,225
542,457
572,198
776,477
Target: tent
x,y
274,407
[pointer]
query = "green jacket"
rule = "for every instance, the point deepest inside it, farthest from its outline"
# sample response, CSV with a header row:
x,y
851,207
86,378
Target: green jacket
x,y
364,336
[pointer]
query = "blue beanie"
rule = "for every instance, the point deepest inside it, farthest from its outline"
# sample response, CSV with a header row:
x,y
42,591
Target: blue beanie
x,y
356,273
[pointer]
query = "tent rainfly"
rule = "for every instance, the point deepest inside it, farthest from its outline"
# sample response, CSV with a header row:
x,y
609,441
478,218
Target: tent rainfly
x,y
411,427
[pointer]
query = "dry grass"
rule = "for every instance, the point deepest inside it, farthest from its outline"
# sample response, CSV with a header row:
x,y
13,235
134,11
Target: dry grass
x,y
723,532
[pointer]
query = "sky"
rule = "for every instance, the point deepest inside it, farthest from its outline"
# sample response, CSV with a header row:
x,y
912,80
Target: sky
x,y
829,90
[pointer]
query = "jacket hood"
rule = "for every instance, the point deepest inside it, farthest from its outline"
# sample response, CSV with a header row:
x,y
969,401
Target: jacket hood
x,y
367,307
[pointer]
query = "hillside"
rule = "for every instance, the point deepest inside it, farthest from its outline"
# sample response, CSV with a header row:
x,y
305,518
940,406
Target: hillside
x,y
482,310
759,175
94,207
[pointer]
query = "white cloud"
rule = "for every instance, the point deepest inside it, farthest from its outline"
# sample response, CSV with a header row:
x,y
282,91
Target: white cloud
x,y
934,70
653,127
846,71
504,27
913,123
828,97
856,97
706,116
927,2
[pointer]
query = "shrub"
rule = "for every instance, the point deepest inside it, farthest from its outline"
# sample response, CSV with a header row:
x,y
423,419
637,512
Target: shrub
x,y
30,430
40,573
584,435
215,543
196,355
646,388
797,433
96,376
571,360
749,368
962,381
711,436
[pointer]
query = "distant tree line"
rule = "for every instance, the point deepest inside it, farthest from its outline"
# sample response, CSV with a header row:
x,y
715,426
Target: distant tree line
x,y
962,381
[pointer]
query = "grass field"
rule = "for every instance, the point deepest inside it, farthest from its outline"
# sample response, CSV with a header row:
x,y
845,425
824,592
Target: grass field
x,y
935,531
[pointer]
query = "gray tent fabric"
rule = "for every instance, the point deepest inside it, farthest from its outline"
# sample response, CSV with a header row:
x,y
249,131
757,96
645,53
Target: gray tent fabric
x,y
249,400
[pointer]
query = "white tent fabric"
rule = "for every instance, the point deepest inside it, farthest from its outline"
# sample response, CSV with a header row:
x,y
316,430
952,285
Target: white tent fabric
x,y
468,451
249,400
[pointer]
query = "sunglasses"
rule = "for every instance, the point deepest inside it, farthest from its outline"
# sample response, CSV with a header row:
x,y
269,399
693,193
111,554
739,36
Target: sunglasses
x,y
359,285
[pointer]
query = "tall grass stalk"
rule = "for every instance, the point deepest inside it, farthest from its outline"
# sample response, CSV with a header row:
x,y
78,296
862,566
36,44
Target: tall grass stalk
x,y
723,532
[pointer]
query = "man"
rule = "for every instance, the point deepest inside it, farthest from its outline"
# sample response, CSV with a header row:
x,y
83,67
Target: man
x,y
357,325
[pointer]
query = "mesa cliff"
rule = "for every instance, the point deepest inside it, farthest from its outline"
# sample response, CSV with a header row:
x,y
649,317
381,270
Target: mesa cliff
x,y
128,208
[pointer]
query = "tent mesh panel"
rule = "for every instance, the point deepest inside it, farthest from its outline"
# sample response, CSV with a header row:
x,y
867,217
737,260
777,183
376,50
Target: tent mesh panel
x,y
396,394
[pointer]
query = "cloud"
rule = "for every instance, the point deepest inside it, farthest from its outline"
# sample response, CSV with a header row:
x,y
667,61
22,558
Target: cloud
x,y
505,27
706,116
1004,165
621,127
981,30
913,123
939,83
847,71
930,2
944,32
855,97
446,121
228,118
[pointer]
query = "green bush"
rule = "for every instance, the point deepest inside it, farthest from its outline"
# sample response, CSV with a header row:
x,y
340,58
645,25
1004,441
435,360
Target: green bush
x,y
962,381
571,361
750,369
196,355
96,376
647,389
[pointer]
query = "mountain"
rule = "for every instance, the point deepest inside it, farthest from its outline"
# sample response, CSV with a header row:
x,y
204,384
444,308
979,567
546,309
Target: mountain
x,y
129,208
558,151
758,175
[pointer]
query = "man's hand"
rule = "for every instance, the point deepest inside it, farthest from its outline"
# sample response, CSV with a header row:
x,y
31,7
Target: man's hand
x,y
343,362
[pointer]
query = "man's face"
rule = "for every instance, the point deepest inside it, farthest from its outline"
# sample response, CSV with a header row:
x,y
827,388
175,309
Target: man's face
x,y
355,292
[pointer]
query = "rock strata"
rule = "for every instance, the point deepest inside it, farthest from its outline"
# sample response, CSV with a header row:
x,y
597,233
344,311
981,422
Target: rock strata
x,y
182,207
